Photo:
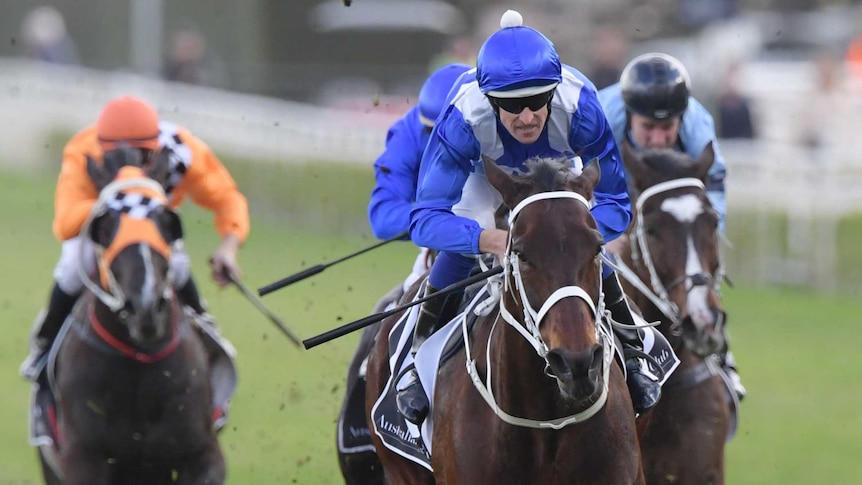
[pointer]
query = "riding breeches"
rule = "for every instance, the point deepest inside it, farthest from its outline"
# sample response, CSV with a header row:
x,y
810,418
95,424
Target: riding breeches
x,y
420,267
81,251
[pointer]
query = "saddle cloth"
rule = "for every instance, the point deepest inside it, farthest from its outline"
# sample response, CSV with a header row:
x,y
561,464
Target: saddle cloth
x,y
404,438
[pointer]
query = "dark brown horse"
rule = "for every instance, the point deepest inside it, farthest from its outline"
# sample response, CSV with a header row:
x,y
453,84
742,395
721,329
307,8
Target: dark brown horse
x,y
131,375
673,272
549,404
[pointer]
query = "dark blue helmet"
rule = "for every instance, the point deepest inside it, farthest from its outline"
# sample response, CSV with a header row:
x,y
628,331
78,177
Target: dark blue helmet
x,y
655,85
432,96
517,61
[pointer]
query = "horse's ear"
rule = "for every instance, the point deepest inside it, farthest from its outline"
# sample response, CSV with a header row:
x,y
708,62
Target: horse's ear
x,y
169,224
704,162
500,180
592,174
634,163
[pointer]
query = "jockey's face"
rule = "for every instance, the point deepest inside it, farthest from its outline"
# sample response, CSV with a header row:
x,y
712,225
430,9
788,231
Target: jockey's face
x,y
525,126
652,133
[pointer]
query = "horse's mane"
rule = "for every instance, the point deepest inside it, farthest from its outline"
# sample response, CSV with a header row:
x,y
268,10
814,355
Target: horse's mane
x,y
548,173
669,162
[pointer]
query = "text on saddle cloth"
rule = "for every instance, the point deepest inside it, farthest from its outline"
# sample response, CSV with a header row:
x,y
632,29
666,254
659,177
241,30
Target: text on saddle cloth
x,y
396,433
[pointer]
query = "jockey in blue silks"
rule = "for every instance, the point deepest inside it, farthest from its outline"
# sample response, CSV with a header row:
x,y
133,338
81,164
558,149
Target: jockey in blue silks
x,y
396,170
520,103
652,107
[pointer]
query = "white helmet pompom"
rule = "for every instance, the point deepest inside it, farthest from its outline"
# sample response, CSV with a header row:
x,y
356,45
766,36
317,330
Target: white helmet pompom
x,y
511,19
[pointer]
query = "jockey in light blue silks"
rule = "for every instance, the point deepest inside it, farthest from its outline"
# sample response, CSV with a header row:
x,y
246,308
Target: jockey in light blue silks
x,y
519,103
396,170
652,107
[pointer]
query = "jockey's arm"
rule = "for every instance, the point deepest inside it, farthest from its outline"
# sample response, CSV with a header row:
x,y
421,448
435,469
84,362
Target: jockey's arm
x,y
75,193
591,136
443,173
698,130
211,186
396,172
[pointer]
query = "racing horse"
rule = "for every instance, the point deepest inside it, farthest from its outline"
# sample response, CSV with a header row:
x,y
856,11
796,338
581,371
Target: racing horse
x,y
543,400
130,374
672,271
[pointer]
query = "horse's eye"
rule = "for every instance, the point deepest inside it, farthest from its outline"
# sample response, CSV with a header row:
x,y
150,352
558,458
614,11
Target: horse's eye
x,y
651,233
520,256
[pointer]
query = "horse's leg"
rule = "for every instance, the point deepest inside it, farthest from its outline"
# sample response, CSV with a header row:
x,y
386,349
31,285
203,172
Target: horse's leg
x,y
204,468
82,466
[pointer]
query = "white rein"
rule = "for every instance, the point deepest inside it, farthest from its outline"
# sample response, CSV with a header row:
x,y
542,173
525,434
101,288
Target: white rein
x,y
530,328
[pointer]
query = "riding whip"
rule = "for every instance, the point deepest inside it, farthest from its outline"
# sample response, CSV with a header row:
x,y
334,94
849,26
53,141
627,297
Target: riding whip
x,y
371,319
320,267
266,311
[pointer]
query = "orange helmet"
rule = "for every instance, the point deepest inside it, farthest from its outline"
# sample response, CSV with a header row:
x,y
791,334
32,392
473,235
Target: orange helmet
x,y
129,120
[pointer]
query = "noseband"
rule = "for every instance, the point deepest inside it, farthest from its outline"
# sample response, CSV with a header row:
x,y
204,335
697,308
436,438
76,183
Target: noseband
x,y
529,329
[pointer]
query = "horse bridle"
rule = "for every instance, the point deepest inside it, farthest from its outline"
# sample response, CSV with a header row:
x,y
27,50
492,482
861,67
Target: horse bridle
x,y
114,298
659,294
529,329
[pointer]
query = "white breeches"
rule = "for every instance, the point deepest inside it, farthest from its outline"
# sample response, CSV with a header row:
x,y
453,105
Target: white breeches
x,y
72,254
479,201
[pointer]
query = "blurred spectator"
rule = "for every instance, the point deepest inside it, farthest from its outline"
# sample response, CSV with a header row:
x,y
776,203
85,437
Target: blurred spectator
x,y
734,111
829,117
190,62
609,57
45,36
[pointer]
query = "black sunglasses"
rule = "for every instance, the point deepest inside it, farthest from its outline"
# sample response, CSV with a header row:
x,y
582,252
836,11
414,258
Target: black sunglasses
x,y
517,105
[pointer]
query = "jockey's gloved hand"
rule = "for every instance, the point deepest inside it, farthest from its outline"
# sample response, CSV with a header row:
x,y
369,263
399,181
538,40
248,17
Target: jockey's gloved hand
x,y
223,261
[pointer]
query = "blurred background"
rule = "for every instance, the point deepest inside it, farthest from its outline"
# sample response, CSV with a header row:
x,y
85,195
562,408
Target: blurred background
x,y
296,97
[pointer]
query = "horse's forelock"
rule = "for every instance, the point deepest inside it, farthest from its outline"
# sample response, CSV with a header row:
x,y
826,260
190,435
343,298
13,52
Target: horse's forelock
x,y
549,173
669,164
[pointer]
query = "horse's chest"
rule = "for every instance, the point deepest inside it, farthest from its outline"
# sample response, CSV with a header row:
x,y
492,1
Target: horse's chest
x,y
158,408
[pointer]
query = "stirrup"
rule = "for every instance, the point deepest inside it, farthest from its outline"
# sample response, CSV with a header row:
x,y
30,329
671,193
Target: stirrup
x,y
411,400
34,363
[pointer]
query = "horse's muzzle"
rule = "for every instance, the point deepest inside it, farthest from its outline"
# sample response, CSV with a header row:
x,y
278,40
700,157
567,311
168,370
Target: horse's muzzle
x,y
705,340
578,374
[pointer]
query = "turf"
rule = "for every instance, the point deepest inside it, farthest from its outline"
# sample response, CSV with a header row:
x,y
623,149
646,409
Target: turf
x,y
797,353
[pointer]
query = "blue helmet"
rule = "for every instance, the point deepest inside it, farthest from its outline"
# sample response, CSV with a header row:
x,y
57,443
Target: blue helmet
x,y
517,61
432,96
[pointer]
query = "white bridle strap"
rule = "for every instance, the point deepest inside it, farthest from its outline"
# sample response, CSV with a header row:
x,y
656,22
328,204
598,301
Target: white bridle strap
x,y
664,187
561,194
529,329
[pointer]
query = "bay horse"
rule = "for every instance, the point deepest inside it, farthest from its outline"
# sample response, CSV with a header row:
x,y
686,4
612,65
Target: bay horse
x,y
130,375
544,401
672,271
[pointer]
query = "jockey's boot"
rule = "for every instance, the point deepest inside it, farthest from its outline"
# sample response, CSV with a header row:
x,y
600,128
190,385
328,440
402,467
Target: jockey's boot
x,y
644,387
410,397
45,330
728,364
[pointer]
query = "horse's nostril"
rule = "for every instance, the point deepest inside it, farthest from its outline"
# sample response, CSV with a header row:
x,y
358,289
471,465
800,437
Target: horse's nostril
x,y
699,279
